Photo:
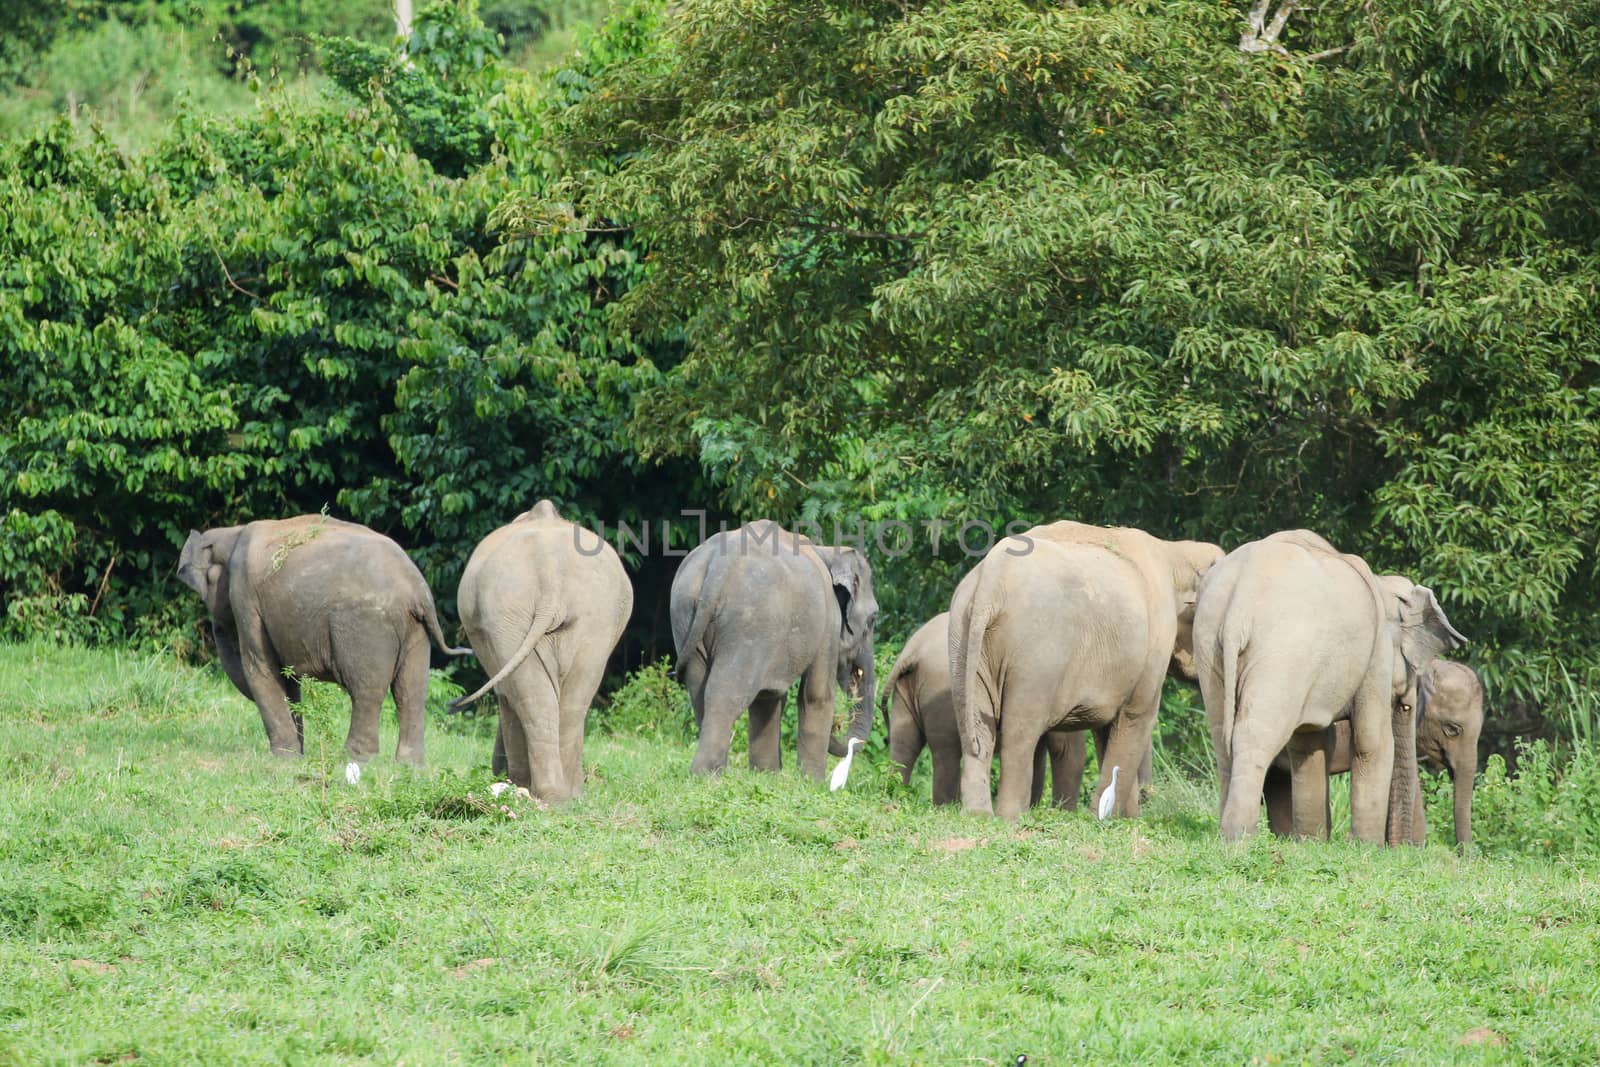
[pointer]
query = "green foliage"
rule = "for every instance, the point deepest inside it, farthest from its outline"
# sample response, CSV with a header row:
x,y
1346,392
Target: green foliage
x,y
977,260
650,703
296,309
1549,807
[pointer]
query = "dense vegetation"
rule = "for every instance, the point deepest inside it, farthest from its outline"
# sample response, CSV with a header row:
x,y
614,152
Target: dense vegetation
x,y
167,893
838,259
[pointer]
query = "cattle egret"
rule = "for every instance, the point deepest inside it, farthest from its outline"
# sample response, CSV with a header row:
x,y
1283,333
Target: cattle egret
x,y
1108,799
841,772
352,772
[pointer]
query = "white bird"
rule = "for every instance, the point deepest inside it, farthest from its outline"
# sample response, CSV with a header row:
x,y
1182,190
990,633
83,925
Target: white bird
x,y
352,772
841,772
1108,799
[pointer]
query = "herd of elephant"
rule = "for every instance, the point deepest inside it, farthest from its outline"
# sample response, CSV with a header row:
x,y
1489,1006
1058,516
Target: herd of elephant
x,y
1308,663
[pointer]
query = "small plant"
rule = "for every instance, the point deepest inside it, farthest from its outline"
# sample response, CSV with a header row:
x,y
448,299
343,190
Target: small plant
x,y
1549,807
650,703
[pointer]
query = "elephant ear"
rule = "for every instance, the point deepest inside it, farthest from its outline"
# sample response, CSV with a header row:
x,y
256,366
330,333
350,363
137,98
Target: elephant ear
x,y
846,576
194,561
1424,630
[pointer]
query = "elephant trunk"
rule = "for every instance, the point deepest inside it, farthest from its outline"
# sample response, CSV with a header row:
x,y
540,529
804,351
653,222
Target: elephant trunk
x,y
1464,780
1405,787
863,701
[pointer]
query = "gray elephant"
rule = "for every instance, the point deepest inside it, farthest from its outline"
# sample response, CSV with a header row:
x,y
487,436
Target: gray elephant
x,y
544,602
323,599
754,609
1292,635
1068,627
919,713
1449,714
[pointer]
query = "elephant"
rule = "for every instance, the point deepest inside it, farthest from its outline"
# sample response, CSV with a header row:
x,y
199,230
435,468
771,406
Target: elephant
x,y
544,602
1068,627
1449,720
918,713
1291,635
755,608
320,598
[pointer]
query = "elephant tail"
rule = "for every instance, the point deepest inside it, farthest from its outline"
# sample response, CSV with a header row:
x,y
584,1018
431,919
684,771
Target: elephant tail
x,y
904,665
1230,690
544,621
704,607
428,615
966,656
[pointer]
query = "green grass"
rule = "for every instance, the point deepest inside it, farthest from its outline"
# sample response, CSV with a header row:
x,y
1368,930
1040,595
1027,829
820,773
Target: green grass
x,y
170,893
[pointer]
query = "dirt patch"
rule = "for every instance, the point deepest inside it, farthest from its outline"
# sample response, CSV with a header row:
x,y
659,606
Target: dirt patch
x,y
92,966
1482,1035
955,844
476,965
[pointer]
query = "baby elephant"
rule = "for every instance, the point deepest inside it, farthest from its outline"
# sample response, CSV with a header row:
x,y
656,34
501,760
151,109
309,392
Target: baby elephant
x,y
918,712
1450,710
324,599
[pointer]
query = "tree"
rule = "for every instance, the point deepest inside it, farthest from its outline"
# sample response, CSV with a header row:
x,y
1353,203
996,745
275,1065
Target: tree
x,y
1020,259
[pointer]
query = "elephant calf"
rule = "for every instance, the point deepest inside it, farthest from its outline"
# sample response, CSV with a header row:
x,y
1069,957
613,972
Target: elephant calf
x,y
1449,720
918,713
544,601
324,599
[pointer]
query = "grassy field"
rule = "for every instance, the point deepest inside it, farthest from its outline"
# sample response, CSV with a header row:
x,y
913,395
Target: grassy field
x,y
169,893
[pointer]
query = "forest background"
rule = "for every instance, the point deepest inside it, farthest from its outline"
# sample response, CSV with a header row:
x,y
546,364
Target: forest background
x,y
1207,269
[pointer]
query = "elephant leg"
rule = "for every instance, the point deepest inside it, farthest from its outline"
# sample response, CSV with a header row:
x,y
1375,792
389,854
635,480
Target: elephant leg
x,y
512,745
1128,744
906,741
1257,739
530,692
975,798
1019,747
1280,801
578,688
946,775
1308,759
816,720
1041,752
766,731
497,762
264,674
291,693
411,701
1069,751
1372,763
1147,767
726,695
366,706
357,656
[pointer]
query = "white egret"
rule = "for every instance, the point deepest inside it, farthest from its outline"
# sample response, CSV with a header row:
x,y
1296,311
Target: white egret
x,y
1108,799
841,772
352,772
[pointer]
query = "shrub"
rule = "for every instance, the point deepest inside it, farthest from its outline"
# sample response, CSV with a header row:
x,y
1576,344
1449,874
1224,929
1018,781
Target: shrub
x,y
651,703
1549,807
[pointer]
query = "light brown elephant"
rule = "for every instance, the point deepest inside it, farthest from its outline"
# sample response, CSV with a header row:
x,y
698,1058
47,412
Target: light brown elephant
x,y
544,601
1291,635
919,713
320,598
1449,714
1067,626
